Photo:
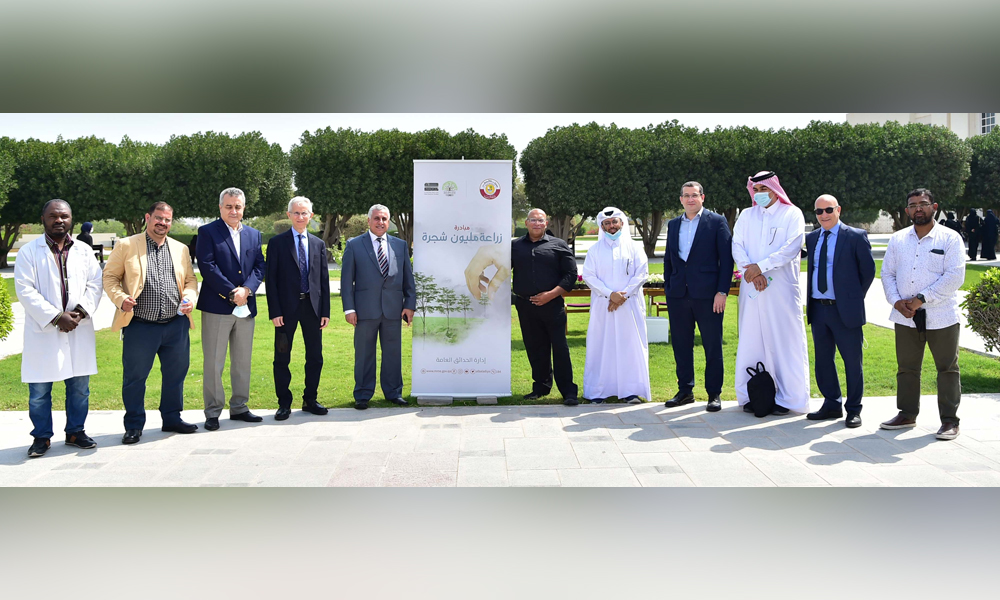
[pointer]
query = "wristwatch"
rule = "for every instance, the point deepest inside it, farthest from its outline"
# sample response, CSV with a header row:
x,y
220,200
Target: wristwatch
x,y
921,298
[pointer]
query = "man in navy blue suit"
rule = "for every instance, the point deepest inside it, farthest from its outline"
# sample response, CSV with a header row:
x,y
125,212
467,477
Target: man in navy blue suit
x,y
841,269
232,267
298,293
377,286
697,275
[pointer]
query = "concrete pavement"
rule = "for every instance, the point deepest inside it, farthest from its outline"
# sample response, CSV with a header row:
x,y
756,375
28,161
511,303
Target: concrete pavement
x,y
589,445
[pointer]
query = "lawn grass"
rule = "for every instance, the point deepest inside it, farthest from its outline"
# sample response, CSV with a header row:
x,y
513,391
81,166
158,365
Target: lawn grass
x,y
979,373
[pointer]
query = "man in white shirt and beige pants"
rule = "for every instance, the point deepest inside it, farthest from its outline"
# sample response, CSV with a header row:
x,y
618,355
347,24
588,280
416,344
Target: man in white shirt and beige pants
x,y
924,266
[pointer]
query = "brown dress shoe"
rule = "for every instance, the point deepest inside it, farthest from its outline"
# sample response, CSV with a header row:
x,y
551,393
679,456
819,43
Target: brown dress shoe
x,y
899,422
948,431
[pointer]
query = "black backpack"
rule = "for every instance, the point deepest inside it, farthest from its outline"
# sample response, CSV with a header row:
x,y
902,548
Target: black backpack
x,y
761,391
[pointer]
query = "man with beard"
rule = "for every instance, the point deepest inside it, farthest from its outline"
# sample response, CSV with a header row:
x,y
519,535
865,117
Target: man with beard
x,y
922,270
150,279
59,285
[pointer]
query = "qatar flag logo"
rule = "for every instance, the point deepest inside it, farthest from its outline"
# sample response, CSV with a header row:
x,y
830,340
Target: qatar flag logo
x,y
490,189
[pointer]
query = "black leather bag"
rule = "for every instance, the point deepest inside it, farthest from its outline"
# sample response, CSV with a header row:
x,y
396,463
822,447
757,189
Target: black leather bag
x,y
761,391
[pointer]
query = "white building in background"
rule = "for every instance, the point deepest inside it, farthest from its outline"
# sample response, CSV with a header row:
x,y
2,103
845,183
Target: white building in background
x,y
965,125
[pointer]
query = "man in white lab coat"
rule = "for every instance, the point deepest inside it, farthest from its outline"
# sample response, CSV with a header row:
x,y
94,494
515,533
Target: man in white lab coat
x,y
58,282
767,242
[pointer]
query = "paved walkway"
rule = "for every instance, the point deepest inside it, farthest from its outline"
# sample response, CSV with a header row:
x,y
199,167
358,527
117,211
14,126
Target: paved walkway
x,y
646,445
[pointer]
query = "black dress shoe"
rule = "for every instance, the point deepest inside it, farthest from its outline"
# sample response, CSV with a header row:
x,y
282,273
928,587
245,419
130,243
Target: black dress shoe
x,y
361,404
853,420
571,401
314,407
247,416
131,436
399,401
714,403
827,411
747,408
282,414
779,410
533,396
680,399
180,427
212,423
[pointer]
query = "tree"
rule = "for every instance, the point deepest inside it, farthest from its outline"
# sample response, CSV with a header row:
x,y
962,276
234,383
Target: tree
x,y
484,301
566,174
38,175
671,156
426,292
7,181
113,182
192,170
449,303
331,170
465,305
982,190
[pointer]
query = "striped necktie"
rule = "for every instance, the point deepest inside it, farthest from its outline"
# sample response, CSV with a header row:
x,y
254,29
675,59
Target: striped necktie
x,y
383,262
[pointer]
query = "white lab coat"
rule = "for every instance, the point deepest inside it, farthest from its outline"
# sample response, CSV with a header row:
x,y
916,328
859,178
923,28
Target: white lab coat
x,y
617,362
49,354
771,327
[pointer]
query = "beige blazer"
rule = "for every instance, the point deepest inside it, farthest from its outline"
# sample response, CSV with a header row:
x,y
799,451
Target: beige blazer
x,y
125,275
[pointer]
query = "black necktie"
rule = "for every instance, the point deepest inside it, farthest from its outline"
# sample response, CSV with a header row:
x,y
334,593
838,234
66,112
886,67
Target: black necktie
x,y
821,276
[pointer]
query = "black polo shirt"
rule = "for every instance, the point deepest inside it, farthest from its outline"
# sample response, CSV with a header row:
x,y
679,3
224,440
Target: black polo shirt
x,y
542,265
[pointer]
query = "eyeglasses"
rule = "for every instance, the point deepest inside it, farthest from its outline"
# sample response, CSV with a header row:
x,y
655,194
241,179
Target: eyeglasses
x,y
828,210
536,220
301,214
918,205
690,196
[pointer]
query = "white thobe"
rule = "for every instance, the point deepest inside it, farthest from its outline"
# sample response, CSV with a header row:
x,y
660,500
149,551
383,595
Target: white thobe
x,y
49,354
617,361
771,327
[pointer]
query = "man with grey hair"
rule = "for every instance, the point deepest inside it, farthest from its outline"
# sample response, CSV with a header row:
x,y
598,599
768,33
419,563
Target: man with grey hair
x,y
298,282
377,286
232,268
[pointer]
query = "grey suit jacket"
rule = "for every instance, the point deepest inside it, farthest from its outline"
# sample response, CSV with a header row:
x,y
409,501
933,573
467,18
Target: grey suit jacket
x,y
362,287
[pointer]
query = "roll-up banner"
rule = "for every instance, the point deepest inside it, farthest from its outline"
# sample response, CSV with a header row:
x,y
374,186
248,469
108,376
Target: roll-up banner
x,y
461,263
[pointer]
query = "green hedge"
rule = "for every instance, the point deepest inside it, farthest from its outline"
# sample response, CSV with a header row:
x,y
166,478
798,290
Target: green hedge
x,y
6,313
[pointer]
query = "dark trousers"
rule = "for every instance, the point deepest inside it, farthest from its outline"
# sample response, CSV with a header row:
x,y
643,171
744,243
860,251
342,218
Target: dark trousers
x,y
685,312
543,329
910,358
142,342
974,245
829,335
313,336
388,333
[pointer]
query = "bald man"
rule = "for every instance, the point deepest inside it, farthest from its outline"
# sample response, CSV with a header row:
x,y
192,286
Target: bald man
x,y
841,269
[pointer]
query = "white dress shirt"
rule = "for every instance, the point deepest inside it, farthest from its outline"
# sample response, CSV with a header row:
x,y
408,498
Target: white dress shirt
x,y
235,234
933,266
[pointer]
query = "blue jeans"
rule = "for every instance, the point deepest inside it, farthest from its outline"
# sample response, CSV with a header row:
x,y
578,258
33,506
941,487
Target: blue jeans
x,y
40,406
142,343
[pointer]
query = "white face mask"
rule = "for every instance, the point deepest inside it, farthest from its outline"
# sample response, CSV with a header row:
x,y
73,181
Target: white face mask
x,y
241,312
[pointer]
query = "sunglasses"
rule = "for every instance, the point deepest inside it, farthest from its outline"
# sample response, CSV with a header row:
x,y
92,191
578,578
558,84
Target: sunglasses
x,y
828,210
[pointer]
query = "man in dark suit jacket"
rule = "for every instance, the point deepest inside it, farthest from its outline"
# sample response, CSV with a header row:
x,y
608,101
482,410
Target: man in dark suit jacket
x,y
298,293
232,268
376,284
841,269
697,275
